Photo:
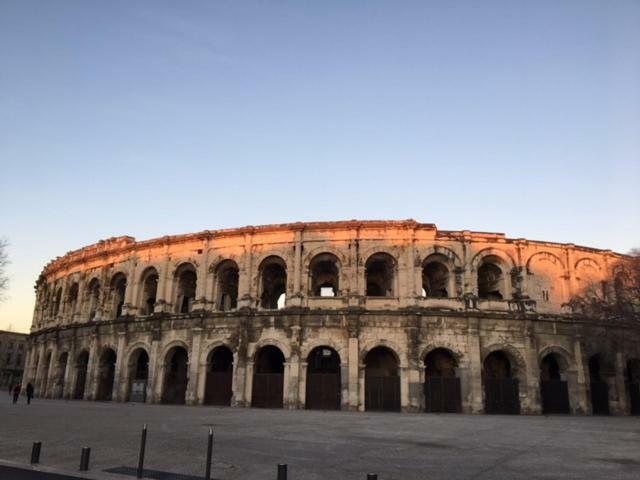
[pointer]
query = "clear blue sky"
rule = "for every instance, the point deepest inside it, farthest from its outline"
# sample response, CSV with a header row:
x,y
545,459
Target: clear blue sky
x,y
164,117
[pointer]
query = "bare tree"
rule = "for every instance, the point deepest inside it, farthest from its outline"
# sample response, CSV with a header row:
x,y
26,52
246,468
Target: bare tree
x,y
4,262
618,296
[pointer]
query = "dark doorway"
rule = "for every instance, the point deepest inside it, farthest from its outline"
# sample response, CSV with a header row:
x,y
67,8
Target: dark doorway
x,y
268,378
599,387
501,390
81,375
106,375
381,381
138,375
633,385
176,376
441,387
554,390
218,386
323,379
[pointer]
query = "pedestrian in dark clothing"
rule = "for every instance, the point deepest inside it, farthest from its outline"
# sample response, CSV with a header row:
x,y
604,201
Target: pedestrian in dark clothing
x,y
29,393
16,392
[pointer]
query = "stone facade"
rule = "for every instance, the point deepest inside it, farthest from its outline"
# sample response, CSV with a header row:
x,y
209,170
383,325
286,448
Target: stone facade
x,y
390,304
13,353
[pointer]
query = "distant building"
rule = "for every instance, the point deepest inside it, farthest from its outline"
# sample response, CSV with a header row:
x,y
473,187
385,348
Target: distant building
x,y
13,351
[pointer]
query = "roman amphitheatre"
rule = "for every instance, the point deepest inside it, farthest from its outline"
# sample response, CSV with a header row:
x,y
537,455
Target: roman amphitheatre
x,y
349,315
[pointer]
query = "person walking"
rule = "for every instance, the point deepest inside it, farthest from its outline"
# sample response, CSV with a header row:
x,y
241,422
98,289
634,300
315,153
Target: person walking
x,y
29,393
16,392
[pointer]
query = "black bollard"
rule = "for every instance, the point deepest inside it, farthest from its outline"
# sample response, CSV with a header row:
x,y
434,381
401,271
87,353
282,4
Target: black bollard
x,y
207,473
84,459
143,443
282,471
35,452
372,476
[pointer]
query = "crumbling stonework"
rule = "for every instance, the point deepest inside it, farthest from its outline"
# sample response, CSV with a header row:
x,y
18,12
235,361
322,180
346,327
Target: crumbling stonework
x,y
391,315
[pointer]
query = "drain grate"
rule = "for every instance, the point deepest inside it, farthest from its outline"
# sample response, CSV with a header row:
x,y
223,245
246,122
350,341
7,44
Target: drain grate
x,y
154,474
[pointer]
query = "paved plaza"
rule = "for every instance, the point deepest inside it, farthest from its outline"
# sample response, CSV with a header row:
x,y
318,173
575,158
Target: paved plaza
x,y
249,443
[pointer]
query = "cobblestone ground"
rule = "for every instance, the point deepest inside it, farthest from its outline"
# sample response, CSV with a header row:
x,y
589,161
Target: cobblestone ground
x,y
321,445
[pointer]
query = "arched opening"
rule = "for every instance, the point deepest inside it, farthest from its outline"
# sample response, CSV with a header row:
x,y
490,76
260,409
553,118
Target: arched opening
x,y
82,362
435,277
218,386
106,374
227,277
268,378
619,283
380,275
138,375
554,389
381,380
501,389
117,291
73,300
324,274
149,291
323,379
62,370
633,385
186,291
94,298
490,280
442,385
273,275
598,385
176,376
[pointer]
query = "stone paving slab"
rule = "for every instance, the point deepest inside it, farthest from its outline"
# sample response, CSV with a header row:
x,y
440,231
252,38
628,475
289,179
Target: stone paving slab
x,y
249,443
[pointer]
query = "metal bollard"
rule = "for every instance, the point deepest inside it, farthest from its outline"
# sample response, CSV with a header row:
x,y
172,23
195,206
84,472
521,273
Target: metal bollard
x,y
35,452
372,476
207,474
282,471
143,443
84,459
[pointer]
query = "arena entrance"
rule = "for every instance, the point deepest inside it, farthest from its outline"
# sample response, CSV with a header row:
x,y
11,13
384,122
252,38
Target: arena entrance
x,y
323,379
82,364
501,391
176,376
268,378
381,381
553,389
599,387
62,369
218,386
441,385
138,375
633,385
106,374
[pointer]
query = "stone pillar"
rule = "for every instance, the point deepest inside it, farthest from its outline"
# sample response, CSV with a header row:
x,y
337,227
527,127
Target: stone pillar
x,y
91,384
118,383
533,403
286,387
291,396
353,364
201,300
194,365
580,405
248,385
620,405
161,292
245,292
53,372
474,399
39,370
302,385
67,390
408,401
153,367
131,293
